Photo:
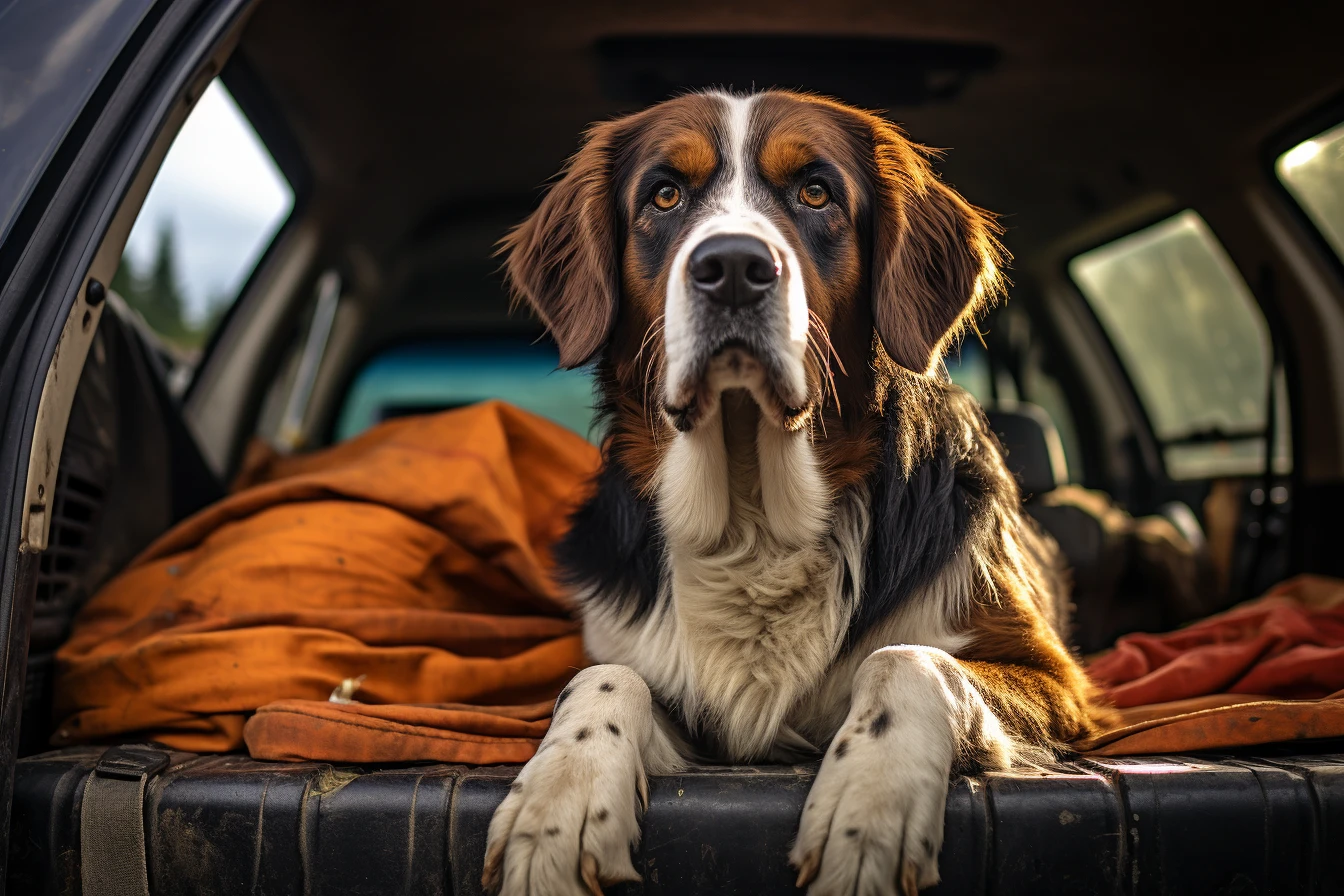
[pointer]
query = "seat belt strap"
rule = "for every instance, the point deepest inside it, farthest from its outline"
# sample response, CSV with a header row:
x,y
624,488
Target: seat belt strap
x,y
112,822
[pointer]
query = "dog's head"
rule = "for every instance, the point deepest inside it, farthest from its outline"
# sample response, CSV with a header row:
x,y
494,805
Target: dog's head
x,y
714,242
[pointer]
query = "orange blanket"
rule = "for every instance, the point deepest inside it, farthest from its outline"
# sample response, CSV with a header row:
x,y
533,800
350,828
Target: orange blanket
x,y
1268,671
415,556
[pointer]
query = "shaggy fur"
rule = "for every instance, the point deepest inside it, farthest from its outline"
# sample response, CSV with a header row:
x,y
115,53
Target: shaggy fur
x,y
804,540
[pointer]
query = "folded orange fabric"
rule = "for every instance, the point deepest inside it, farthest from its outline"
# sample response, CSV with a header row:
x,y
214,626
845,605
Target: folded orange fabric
x,y
337,732
1269,671
416,556
1216,722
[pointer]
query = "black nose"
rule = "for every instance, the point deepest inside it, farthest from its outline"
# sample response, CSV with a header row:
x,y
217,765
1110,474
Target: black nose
x,y
733,270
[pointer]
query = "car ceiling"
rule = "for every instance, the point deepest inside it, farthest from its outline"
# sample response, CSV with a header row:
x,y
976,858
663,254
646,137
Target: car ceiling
x,y
429,127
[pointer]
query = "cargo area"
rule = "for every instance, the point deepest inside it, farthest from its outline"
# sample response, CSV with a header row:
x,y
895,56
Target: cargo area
x,y
1186,450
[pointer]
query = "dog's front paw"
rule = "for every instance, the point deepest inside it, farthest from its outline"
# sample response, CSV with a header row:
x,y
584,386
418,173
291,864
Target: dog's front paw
x,y
873,822
572,816
570,819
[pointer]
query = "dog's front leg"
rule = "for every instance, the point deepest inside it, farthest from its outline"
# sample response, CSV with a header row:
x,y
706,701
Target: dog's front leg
x,y
873,822
570,819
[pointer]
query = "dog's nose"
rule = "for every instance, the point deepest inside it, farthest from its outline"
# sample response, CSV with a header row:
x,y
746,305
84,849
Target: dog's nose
x,y
733,269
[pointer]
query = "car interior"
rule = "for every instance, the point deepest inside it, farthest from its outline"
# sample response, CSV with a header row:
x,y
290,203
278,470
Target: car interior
x,y
1166,376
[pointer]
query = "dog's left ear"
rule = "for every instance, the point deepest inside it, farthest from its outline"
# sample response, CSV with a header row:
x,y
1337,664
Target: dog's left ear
x,y
937,260
564,259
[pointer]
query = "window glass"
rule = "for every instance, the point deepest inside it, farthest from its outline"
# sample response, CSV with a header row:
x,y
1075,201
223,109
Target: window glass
x,y
968,365
438,376
1313,171
213,208
1193,340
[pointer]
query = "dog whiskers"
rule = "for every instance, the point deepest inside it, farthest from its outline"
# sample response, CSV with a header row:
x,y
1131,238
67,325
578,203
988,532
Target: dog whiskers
x,y
823,337
655,328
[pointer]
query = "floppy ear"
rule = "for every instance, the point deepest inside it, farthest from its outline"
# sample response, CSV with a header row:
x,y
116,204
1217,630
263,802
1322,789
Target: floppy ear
x,y
937,260
563,260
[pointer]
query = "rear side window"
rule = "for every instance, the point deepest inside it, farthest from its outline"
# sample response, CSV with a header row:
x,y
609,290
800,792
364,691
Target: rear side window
x,y
1313,172
214,207
1193,341
438,376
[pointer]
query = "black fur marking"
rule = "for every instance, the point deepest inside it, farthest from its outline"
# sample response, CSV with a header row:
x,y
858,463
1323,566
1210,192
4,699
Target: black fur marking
x,y
582,735
841,749
606,686
921,521
552,832
928,848
851,832
601,815
880,724
613,729
614,547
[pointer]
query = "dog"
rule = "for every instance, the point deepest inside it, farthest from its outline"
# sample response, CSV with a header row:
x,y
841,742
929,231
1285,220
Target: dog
x,y
803,540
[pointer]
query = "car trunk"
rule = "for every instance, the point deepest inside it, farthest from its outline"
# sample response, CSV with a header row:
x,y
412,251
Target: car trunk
x,y
385,201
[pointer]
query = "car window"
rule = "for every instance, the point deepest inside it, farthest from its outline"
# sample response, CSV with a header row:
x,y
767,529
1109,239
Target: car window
x,y
968,365
1313,172
214,207
1194,343
437,376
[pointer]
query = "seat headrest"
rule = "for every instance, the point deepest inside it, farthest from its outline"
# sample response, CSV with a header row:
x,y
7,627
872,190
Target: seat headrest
x,y
1031,447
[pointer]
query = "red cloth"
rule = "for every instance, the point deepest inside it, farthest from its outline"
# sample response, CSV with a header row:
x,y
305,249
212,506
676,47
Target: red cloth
x,y
1288,644
1268,671
1273,647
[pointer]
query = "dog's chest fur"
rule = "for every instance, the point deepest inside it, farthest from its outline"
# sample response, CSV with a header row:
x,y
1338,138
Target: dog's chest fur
x,y
758,558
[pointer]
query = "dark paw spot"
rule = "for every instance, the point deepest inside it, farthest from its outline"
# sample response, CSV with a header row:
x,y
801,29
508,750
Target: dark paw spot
x,y
564,695
613,729
851,832
928,848
601,815
552,832
582,735
841,749
606,686
880,724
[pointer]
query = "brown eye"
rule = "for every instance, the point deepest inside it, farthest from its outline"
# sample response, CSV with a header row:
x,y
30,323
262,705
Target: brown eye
x,y
814,195
666,196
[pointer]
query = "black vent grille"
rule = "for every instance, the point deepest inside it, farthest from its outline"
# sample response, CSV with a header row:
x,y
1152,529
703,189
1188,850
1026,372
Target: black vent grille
x,y
76,509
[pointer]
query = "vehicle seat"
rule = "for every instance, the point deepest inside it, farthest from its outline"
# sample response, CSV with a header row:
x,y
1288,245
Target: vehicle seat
x,y
1128,574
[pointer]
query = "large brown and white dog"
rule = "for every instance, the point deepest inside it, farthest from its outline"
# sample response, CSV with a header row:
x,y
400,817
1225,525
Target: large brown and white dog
x,y
804,539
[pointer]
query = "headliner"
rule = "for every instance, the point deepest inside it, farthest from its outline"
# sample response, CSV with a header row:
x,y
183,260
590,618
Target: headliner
x,y
429,129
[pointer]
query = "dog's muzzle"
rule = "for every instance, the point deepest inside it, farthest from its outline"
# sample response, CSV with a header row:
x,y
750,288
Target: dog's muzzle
x,y
728,327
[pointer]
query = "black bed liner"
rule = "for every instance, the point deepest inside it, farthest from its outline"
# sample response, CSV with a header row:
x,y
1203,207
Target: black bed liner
x,y
1166,824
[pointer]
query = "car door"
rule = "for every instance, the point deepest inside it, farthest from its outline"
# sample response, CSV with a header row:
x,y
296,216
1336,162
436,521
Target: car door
x,y
85,89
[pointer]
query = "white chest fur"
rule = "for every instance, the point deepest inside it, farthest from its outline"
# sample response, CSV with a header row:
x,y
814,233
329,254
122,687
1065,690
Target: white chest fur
x,y
757,556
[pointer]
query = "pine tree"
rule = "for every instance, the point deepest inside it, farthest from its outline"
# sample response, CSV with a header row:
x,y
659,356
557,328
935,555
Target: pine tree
x,y
161,300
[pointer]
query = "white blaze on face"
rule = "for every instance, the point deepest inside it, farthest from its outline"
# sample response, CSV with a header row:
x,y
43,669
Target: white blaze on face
x,y
732,209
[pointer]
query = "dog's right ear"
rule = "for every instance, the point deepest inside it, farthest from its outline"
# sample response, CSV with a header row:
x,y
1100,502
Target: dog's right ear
x,y
563,260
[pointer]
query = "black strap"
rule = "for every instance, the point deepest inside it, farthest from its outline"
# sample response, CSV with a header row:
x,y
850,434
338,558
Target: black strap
x,y
112,822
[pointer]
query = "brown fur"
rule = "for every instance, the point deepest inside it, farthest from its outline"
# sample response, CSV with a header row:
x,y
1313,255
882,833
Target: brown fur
x,y
693,155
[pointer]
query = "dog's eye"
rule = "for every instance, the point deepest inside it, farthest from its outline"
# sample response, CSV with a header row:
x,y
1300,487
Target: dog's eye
x,y
666,196
814,194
